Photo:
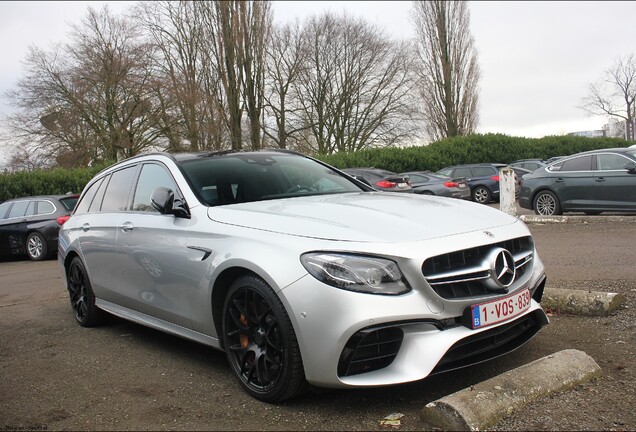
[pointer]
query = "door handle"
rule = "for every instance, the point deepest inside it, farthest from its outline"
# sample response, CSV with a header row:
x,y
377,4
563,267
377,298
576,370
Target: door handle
x,y
559,180
599,179
126,227
86,227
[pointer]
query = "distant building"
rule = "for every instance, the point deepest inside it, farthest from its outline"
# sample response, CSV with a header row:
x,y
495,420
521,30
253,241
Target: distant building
x,y
620,129
615,128
589,134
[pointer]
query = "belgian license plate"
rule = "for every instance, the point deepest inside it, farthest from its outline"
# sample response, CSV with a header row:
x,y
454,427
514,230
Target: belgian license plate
x,y
492,312
402,185
462,185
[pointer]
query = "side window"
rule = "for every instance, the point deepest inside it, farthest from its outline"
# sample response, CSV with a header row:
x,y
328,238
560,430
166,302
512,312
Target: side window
x,y
484,171
152,176
30,211
582,163
607,162
87,199
116,195
3,209
18,209
45,207
462,172
99,196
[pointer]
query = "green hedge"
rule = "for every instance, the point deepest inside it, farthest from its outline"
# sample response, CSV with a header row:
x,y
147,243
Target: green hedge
x,y
56,181
494,148
451,151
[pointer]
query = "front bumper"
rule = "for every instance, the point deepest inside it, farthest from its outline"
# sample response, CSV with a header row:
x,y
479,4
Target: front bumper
x,y
430,338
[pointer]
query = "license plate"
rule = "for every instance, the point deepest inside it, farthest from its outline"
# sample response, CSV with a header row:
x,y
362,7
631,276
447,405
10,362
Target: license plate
x,y
492,312
462,185
402,185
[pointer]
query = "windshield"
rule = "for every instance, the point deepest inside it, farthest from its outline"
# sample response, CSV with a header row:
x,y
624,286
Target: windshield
x,y
246,177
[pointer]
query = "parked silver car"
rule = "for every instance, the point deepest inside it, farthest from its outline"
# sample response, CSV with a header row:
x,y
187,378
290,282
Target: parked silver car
x,y
300,273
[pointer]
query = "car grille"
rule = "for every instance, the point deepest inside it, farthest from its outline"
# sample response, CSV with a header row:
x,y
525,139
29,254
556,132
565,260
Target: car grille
x,y
370,350
463,274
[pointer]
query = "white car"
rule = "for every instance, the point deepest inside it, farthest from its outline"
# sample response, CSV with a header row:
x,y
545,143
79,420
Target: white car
x,y
302,274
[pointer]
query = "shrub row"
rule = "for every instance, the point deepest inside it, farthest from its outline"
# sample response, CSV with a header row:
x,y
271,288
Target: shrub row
x,y
495,148
56,181
451,151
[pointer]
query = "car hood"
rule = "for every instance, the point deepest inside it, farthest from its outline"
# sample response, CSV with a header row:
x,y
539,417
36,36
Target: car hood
x,y
363,217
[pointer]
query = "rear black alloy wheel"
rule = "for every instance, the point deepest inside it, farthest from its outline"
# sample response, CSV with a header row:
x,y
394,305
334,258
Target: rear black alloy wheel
x,y
36,247
260,342
547,204
81,295
482,195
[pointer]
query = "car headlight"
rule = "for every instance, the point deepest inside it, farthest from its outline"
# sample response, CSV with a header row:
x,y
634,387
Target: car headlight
x,y
356,272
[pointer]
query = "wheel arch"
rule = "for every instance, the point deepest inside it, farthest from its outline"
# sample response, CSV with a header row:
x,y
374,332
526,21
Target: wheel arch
x,y
219,290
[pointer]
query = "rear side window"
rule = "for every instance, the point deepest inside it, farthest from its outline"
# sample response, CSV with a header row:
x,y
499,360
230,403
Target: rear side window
x,y
45,207
484,171
116,195
582,163
461,172
152,176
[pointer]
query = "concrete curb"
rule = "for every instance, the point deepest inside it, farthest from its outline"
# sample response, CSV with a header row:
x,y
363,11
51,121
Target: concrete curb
x,y
484,404
581,302
576,219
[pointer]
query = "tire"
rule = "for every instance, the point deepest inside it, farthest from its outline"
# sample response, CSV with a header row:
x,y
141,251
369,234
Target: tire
x,y
81,295
35,246
546,204
260,342
482,195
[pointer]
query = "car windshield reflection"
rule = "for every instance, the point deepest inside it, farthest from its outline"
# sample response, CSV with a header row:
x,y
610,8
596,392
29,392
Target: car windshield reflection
x,y
237,178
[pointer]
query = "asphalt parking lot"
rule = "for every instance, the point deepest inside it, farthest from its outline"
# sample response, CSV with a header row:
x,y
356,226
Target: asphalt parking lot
x,y
56,375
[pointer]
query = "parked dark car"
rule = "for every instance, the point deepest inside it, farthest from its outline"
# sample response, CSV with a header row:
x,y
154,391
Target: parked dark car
x,y
519,173
529,164
553,159
590,182
381,179
483,179
427,183
30,225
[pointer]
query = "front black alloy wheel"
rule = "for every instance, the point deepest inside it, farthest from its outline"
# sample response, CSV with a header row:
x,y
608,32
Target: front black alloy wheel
x,y
260,341
81,295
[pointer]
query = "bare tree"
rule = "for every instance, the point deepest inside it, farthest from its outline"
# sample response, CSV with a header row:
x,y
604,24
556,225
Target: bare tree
x,y
615,94
88,100
355,85
449,71
285,62
238,31
191,106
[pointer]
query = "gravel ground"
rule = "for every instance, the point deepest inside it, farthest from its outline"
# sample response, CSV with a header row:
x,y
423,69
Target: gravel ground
x,y
56,375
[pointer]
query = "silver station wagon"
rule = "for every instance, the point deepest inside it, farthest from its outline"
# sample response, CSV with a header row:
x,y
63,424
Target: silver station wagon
x,y
299,272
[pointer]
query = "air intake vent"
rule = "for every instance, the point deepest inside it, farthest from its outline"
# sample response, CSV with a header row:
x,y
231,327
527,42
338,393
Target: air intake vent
x,y
370,350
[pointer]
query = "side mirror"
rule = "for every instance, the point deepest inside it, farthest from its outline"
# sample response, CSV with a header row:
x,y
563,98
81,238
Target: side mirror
x,y
630,167
163,200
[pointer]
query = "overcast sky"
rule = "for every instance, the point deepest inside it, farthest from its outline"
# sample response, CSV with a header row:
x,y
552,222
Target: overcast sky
x,y
536,58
